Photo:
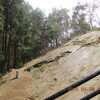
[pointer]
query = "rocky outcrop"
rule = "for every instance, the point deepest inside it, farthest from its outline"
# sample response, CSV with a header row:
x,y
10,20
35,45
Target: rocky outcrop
x,y
74,61
56,70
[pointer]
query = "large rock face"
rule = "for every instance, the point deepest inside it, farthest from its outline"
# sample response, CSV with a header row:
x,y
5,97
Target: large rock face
x,y
66,65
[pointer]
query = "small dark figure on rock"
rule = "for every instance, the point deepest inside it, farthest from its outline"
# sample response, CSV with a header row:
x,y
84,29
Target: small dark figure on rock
x,y
17,74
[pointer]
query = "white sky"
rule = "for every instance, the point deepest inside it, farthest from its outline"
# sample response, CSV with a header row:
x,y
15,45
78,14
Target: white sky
x,y
47,5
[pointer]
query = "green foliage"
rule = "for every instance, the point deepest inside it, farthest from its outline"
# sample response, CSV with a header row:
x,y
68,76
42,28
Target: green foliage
x,y
2,56
26,33
58,24
1,18
78,22
23,48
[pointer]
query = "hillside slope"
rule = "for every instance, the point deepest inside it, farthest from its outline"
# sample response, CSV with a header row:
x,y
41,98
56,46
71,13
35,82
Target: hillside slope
x,y
56,70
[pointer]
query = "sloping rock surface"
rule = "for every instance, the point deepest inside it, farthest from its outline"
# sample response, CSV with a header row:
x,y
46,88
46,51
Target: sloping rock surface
x,y
60,68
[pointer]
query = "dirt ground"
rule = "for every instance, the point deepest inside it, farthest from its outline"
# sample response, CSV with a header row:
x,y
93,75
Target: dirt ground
x,y
16,89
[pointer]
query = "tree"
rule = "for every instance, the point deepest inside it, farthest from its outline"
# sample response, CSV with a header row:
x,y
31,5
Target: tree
x,y
58,25
1,16
37,31
91,13
78,23
15,30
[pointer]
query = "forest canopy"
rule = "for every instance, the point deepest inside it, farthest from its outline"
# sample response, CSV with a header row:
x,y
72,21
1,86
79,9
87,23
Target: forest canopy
x,y
27,33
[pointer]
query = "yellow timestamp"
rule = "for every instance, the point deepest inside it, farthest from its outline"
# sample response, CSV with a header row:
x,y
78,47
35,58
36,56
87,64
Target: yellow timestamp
x,y
83,89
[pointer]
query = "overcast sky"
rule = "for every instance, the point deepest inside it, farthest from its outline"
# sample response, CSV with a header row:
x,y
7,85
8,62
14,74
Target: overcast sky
x,y
47,5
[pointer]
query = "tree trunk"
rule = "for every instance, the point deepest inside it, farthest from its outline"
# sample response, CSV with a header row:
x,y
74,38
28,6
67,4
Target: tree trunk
x,y
8,53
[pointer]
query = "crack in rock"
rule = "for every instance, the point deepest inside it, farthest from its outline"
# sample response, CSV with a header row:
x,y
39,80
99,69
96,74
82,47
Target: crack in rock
x,y
37,65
